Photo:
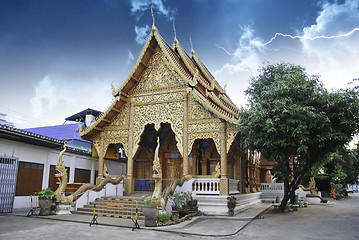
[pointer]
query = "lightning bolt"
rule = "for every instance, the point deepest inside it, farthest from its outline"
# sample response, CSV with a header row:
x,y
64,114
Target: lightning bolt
x,y
258,44
309,38
230,54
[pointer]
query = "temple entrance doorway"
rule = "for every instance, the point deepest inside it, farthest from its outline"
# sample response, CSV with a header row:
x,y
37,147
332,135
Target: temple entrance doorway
x,y
204,157
170,158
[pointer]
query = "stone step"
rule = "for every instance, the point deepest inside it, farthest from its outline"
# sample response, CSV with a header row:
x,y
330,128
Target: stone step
x,y
88,209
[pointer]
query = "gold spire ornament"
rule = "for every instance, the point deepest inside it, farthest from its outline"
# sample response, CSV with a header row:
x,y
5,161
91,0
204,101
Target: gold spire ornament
x,y
113,89
174,29
190,40
153,17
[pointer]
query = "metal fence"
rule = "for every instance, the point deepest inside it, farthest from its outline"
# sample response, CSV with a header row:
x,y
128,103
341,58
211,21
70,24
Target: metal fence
x,y
8,176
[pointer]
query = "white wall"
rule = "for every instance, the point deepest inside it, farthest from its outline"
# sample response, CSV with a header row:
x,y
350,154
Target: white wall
x,y
42,155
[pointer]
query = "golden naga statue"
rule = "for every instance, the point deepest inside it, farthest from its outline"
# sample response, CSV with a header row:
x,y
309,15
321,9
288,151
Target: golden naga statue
x,y
311,189
171,189
157,173
217,172
61,174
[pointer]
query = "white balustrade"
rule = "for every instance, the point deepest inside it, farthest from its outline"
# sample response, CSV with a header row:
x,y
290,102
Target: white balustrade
x,y
206,186
272,187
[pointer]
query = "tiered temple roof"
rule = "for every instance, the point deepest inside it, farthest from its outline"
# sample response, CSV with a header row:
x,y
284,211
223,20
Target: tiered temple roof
x,y
201,84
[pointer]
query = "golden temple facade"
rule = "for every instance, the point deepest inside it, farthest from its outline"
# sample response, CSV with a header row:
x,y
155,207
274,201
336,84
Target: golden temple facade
x,y
172,95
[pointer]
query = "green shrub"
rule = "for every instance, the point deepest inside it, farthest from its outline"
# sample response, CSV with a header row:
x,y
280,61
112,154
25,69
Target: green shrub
x,y
163,217
46,194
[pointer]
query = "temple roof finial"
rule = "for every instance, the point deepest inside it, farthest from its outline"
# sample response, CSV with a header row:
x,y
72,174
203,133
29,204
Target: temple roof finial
x,y
174,29
190,39
153,17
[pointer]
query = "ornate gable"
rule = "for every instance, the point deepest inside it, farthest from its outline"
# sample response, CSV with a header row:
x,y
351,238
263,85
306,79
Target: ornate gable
x,y
160,75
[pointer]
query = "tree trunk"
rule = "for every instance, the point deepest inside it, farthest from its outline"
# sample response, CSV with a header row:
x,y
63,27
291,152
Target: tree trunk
x,y
286,196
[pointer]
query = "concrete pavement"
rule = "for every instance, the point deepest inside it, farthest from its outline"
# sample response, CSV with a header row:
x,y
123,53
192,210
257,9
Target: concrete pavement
x,y
334,221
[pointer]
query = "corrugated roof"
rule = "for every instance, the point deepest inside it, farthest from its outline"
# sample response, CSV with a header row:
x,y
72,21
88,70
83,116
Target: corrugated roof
x,y
61,132
22,135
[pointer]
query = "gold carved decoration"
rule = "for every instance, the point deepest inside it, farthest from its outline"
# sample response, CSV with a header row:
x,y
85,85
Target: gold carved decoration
x,y
160,75
231,135
223,187
164,104
156,114
116,132
202,125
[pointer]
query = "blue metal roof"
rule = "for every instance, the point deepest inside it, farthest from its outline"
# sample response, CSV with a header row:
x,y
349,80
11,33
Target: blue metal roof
x,y
61,132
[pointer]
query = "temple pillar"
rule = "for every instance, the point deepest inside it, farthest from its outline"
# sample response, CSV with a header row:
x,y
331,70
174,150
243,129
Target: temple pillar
x,y
101,157
185,136
129,181
224,173
224,183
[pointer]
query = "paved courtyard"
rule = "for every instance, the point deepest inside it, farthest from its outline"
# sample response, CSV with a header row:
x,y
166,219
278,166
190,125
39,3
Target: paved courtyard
x,y
337,220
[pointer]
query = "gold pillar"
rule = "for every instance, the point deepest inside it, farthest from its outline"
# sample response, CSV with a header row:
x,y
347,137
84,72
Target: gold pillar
x,y
224,173
185,136
224,184
101,156
129,178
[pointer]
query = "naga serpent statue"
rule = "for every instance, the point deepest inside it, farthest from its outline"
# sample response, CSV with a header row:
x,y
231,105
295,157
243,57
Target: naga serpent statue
x,y
171,189
61,174
157,173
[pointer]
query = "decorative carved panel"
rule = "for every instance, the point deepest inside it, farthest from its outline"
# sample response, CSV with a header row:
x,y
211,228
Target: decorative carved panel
x,y
122,117
202,125
116,132
156,114
157,99
197,111
160,75
231,134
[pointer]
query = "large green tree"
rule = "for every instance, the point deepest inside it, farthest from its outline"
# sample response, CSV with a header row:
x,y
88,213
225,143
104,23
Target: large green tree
x,y
292,119
343,166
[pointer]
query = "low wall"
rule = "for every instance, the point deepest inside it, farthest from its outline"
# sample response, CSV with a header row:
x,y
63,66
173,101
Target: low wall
x,y
270,191
24,202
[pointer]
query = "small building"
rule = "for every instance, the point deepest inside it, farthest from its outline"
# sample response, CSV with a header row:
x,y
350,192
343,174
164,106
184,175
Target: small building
x,y
28,158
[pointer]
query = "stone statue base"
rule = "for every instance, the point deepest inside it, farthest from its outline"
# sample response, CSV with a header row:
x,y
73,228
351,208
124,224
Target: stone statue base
x,y
64,209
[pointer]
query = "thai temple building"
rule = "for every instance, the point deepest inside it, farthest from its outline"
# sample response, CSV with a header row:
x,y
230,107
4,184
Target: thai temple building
x,y
172,95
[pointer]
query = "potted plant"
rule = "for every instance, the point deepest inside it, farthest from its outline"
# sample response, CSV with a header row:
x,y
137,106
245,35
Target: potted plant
x,y
180,204
150,210
231,204
177,200
46,201
191,202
